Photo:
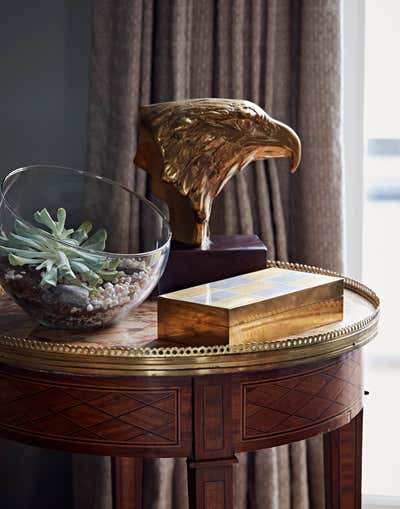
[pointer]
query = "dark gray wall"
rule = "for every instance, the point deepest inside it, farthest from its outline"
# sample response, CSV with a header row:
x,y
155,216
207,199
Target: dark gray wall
x,y
44,64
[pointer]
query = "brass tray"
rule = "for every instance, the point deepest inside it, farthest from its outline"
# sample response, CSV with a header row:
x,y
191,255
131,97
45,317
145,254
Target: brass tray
x,y
132,348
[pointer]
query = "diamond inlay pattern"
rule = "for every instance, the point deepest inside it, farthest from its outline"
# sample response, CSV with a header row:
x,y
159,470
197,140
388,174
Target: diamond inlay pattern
x,y
290,404
145,417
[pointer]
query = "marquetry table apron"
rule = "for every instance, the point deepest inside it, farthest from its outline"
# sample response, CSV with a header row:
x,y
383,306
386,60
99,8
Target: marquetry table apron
x,y
121,392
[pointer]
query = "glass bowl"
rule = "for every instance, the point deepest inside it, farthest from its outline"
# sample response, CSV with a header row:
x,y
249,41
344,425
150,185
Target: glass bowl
x,y
78,251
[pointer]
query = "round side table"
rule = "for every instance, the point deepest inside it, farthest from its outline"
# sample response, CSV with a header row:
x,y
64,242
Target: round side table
x,y
123,393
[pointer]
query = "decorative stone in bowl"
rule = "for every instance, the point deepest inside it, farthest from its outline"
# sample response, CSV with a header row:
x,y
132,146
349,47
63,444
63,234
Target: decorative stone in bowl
x,y
73,252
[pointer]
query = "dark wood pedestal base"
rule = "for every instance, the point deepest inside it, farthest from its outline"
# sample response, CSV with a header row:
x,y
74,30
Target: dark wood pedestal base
x,y
227,256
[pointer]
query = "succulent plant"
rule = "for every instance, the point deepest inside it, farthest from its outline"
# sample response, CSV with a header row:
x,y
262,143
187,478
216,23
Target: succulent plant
x,y
60,261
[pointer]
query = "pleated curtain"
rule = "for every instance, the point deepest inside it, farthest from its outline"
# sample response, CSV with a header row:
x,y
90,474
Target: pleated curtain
x,y
285,55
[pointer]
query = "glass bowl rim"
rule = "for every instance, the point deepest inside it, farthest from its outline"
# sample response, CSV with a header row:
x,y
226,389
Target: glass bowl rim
x,y
93,176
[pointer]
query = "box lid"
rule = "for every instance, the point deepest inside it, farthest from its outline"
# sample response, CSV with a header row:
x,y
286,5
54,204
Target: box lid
x,y
252,296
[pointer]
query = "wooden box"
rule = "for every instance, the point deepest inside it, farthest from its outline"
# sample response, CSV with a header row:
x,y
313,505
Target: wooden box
x,y
259,306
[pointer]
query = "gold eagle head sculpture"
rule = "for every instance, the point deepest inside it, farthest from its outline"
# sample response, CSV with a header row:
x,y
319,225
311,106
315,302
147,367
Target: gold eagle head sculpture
x,y
192,148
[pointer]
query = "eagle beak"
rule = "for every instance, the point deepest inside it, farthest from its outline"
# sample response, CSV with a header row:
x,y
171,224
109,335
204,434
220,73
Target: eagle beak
x,y
287,144
281,141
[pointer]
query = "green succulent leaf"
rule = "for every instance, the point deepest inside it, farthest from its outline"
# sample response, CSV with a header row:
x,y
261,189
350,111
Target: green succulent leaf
x,y
46,264
43,217
55,227
25,241
19,260
56,261
25,253
93,278
97,242
61,217
81,234
108,275
50,277
64,267
26,231
111,264
79,266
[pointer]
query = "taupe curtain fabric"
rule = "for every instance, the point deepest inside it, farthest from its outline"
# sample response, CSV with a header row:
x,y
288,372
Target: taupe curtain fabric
x,y
285,56
282,54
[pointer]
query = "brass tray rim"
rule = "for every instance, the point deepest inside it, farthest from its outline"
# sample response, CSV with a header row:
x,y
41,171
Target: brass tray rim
x,y
214,351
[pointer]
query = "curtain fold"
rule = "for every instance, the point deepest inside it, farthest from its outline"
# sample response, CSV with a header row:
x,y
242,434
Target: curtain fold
x,y
285,55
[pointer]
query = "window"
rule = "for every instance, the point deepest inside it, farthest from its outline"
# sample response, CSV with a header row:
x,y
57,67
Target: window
x,y
381,246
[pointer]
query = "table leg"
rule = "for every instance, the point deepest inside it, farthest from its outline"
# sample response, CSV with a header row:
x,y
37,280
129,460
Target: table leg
x,y
210,484
127,482
210,469
342,459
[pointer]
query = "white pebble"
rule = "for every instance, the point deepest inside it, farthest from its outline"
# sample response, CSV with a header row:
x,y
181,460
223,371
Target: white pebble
x,y
89,307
